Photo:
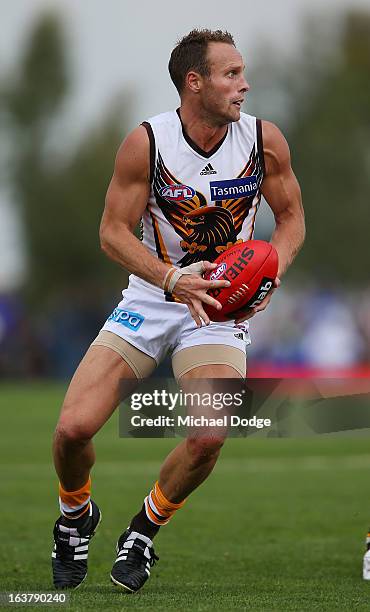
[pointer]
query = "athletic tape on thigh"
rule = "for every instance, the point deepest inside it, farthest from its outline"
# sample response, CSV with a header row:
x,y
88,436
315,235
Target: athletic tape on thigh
x,y
141,364
209,354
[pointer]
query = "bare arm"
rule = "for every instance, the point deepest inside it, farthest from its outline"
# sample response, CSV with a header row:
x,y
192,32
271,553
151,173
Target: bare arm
x,y
282,192
125,203
126,200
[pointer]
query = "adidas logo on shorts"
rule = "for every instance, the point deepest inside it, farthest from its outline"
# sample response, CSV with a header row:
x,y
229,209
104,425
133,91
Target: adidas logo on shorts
x,y
239,336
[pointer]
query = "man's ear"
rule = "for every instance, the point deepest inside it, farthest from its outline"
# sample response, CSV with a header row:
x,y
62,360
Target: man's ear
x,y
193,81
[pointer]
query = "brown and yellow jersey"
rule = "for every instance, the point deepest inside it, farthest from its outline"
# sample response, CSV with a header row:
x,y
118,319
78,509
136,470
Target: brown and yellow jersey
x,y
201,202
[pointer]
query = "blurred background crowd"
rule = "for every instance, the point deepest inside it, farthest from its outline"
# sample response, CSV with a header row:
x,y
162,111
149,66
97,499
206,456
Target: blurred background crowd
x,y
56,286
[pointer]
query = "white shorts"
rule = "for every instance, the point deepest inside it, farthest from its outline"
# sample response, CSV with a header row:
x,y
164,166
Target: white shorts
x,y
156,327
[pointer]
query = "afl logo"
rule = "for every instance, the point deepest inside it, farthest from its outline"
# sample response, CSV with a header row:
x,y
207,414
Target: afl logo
x,y
177,193
217,273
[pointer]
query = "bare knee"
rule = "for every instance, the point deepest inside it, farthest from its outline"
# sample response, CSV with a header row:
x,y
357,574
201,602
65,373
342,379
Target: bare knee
x,y
204,449
72,432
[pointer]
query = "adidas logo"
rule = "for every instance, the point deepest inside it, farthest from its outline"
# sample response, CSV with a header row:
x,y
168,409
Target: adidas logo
x,y
239,336
208,169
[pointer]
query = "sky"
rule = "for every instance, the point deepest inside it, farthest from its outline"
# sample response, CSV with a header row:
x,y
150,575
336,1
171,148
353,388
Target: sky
x,y
119,46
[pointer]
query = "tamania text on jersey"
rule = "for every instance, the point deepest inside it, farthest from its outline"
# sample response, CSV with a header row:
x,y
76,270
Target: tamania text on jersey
x,y
246,186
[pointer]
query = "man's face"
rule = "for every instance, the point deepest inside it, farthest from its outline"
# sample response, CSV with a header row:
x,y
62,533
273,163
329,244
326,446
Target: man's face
x,y
224,90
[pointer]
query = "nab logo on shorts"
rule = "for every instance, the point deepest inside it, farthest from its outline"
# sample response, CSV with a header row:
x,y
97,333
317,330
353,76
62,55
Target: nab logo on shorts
x,y
177,193
234,188
132,320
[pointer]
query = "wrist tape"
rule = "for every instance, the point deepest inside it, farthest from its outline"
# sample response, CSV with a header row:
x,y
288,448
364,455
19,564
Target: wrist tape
x,y
173,275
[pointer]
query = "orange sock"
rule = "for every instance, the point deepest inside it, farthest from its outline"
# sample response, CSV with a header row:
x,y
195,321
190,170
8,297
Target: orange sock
x,y
158,508
74,504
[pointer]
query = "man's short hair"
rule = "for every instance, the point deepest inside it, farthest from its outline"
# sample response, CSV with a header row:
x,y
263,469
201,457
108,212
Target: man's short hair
x,y
190,53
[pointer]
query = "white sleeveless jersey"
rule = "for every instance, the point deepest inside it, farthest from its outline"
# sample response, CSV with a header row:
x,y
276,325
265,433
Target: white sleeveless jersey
x,y
201,203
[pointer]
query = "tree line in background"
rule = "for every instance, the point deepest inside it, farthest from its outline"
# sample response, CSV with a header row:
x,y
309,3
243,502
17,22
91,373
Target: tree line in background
x,y
60,199
330,140
326,93
328,129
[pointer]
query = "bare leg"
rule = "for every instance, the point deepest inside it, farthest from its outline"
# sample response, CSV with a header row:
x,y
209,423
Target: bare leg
x,y
189,464
184,469
93,395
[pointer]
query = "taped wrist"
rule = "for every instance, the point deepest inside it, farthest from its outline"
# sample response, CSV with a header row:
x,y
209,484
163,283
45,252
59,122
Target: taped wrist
x,y
173,275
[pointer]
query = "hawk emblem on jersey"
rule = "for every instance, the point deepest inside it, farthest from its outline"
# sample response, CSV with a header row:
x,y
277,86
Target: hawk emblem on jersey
x,y
210,231
205,231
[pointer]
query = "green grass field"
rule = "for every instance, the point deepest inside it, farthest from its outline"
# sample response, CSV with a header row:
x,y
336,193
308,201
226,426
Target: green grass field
x,y
278,526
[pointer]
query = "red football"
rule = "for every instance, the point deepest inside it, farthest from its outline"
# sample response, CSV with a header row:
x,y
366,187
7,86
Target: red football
x,y
251,267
